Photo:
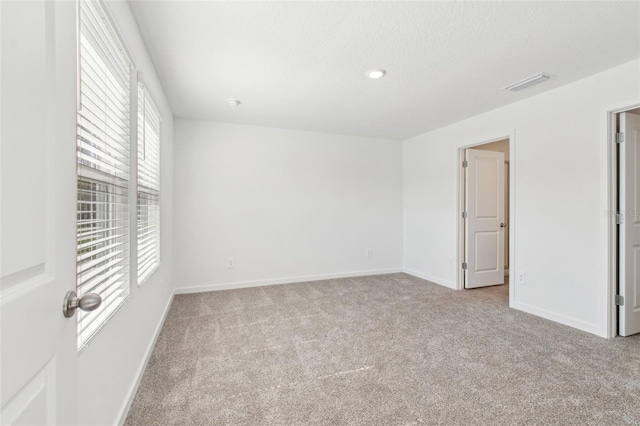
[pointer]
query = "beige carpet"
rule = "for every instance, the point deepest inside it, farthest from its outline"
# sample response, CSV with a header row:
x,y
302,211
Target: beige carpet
x,y
384,350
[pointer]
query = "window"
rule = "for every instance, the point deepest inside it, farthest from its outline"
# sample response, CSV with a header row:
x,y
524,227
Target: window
x,y
103,145
148,185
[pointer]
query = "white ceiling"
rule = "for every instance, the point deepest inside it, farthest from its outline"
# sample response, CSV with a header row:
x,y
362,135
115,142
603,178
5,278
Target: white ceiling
x,y
301,65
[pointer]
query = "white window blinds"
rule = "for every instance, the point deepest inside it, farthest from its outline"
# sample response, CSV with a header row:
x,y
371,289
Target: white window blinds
x,y
103,146
148,214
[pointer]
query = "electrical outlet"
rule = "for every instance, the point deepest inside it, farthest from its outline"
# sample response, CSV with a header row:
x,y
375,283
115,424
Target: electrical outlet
x,y
231,263
521,278
369,253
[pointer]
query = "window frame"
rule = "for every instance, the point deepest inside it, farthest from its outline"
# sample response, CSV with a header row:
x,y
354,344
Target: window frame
x,y
103,44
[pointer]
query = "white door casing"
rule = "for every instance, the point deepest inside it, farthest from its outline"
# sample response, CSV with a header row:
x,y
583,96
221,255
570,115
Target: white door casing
x,y
485,207
38,354
629,229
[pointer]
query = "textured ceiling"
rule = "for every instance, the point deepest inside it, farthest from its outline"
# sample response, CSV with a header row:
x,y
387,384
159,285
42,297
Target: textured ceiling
x,y
301,65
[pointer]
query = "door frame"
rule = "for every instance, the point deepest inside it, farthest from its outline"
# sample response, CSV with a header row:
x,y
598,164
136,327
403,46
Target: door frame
x,y
512,211
612,201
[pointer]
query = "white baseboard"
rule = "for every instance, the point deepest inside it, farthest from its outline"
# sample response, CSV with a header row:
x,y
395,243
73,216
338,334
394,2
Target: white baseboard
x,y
435,280
559,318
138,376
260,283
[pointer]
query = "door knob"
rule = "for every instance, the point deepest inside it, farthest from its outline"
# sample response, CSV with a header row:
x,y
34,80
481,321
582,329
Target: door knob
x,y
503,225
88,302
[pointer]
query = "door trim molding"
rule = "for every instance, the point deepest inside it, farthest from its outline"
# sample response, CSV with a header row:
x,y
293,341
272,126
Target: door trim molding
x,y
610,126
511,136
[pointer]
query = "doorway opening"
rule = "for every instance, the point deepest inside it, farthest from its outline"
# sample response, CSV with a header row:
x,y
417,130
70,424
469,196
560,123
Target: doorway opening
x,y
485,243
624,222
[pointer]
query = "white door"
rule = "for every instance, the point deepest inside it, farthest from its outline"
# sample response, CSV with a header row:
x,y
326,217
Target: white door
x,y
38,354
484,225
629,236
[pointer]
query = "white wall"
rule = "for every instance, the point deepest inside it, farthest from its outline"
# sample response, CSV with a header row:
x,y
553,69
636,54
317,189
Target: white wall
x,y
110,365
287,205
561,221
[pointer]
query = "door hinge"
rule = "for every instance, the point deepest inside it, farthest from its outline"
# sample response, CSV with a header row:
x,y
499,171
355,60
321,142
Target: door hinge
x,y
619,219
465,163
619,300
619,137
464,265
464,215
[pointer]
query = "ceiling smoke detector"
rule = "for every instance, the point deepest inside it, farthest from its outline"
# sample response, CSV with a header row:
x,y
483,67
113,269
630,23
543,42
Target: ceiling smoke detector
x,y
376,73
528,82
233,103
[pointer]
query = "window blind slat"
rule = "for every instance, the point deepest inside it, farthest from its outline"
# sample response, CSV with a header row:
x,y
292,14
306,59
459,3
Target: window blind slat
x,y
98,252
148,258
98,130
96,87
103,42
85,234
108,184
148,246
103,278
96,106
94,66
89,323
102,157
147,270
94,265
102,27
97,241
92,114
87,222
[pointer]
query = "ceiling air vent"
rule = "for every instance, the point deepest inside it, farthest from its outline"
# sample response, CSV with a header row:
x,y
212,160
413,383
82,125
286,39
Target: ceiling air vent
x,y
528,82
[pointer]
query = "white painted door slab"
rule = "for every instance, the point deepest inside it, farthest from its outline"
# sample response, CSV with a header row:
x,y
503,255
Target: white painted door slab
x,y
484,204
629,282
38,354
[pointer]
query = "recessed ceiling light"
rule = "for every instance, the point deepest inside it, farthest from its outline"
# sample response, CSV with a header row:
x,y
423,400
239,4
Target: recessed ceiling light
x,y
234,103
376,73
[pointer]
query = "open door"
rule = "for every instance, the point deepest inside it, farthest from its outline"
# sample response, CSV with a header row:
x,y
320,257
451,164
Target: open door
x,y
38,355
629,229
484,223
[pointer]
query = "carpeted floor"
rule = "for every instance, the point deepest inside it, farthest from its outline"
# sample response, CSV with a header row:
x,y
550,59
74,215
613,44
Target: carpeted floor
x,y
389,349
